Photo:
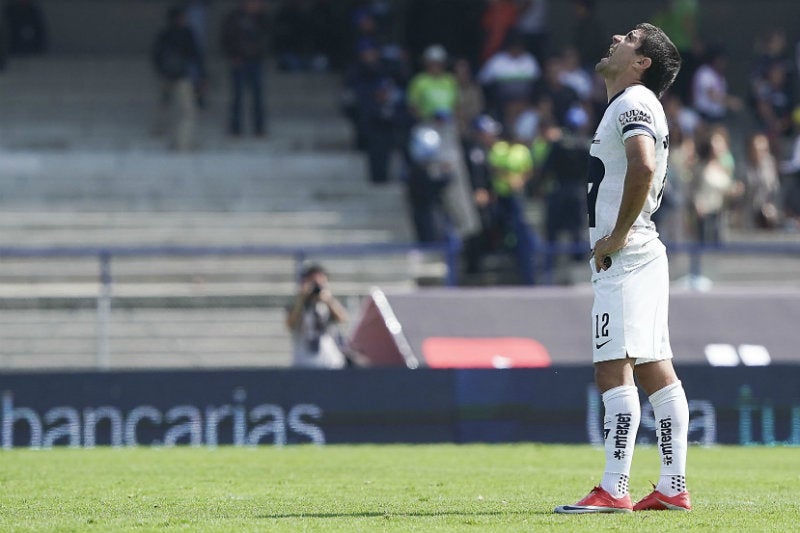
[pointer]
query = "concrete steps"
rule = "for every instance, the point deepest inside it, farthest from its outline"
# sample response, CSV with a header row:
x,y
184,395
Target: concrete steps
x,y
80,168
145,338
69,103
207,181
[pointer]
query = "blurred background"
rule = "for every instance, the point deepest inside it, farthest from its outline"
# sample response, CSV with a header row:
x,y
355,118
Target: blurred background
x,y
169,169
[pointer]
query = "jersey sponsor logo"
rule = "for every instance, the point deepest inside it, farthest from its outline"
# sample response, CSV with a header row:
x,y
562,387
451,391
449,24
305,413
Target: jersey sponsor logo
x,y
599,345
634,115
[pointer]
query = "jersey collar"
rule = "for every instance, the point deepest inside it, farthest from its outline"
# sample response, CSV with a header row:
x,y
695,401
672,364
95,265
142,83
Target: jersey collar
x,y
620,94
617,96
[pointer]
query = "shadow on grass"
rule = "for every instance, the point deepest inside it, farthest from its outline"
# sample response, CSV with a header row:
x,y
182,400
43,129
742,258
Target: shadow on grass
x,y
378,514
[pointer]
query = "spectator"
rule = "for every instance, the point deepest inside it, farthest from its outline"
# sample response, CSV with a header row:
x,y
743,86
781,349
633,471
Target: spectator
x,y
314,318
512,167
427,178
773,88
772,47
499,17
762,185
438,184
370,22
532,26
365,27
244,42
713,185
383,113
565,175
484,133
773,103
175,56
508,78
27,31
367,101
434,90
710,96
470,102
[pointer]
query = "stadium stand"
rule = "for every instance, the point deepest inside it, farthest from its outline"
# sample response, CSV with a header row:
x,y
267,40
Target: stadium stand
x,y
80,170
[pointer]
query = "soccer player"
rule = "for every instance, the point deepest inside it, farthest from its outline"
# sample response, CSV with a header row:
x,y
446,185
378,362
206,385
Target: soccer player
x,y
627,169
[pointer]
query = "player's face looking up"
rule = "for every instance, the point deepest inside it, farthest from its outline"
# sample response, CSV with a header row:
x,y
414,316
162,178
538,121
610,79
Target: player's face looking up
x,y
622,53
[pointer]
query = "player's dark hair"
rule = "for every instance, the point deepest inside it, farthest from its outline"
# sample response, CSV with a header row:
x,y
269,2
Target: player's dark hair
x,y
666,60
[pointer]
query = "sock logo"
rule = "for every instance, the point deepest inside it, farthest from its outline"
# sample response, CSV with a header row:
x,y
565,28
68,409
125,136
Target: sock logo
x,y
621,435
665,440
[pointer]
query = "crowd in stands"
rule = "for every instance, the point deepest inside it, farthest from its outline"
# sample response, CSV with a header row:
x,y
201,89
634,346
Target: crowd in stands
x,y
487,125
486,115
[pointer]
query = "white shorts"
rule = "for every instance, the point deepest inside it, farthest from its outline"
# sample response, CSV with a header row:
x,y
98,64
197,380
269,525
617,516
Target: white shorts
x,y
630,313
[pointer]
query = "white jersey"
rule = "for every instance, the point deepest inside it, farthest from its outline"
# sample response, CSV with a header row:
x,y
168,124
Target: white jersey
x,y
634,111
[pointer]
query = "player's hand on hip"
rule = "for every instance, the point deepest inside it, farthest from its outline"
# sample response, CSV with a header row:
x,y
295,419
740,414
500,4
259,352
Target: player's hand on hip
x,y
603,249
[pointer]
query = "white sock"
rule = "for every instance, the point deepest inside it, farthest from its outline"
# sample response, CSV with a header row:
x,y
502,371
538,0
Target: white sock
x,y
671,413
621,421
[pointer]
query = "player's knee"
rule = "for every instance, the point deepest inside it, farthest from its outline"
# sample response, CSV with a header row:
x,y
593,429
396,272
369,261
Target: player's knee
x,y
656,375
610,374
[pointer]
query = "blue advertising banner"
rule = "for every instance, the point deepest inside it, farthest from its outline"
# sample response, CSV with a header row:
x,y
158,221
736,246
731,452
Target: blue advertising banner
x,y
736,405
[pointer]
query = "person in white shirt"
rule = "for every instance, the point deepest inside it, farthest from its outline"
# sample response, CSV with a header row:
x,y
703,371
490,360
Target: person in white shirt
x,y
710,96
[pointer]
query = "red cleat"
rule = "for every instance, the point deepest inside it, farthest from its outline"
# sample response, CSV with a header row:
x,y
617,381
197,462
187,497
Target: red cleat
x,y
598,501
656,501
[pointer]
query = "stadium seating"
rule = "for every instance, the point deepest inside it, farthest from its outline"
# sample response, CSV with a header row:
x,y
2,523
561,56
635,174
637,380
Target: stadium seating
x,y
81,169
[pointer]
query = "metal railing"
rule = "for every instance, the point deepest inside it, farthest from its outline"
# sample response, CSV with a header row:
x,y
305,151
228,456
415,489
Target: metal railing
x,y
450,250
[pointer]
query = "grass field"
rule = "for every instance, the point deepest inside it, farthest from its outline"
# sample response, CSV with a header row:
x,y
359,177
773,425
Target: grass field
x,y
380,488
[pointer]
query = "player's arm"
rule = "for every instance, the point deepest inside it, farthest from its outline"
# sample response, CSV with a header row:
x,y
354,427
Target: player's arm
x,y
640,153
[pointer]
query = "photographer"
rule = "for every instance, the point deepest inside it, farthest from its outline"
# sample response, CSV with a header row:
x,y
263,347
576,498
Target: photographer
x,y
313,319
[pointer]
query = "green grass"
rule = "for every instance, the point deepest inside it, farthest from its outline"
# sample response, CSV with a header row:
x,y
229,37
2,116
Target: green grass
x,y
380,488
